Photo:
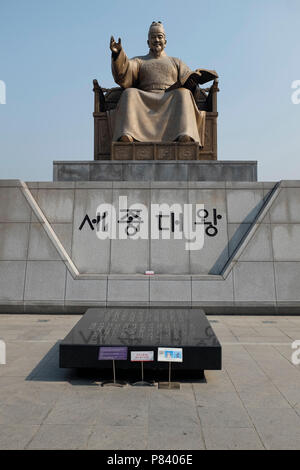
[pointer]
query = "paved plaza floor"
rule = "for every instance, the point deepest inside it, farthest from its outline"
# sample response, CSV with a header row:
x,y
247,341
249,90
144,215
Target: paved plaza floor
x,y
253,403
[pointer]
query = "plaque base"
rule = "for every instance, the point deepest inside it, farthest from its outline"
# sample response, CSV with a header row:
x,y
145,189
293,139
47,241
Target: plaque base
x,y
142,383
113,384
168,385
142,329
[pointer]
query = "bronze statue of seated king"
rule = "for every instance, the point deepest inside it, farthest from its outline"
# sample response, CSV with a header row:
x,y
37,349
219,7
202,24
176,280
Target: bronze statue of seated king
x,y
159,101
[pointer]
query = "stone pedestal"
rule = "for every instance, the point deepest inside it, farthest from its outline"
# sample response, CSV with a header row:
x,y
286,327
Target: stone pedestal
x,y
51,263
138,169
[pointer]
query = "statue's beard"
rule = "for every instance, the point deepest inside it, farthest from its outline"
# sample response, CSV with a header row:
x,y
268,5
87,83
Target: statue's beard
x,y
157,49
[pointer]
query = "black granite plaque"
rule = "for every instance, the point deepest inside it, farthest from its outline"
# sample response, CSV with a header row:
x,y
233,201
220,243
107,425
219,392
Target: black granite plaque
x,y
142,329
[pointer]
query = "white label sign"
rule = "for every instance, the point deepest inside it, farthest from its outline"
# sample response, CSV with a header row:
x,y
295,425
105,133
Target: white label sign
x,y
170,355
142,356
2,352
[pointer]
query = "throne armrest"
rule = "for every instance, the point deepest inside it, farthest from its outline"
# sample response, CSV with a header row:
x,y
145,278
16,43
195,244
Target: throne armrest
x,y
99,99
212,96
105,98
206,98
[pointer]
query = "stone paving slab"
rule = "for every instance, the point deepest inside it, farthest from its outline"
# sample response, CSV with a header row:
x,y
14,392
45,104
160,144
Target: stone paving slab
x,y
253,403
217,438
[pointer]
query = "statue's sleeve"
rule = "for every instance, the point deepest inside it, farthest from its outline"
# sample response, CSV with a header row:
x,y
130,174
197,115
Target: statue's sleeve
x,y
125,71
183,71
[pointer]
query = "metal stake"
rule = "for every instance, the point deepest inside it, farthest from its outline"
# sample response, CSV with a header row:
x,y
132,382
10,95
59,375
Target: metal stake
x,y
114,383
169,385
114,371
142,383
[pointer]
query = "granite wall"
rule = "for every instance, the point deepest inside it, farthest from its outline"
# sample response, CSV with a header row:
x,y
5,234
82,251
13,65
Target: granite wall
x,y
47,264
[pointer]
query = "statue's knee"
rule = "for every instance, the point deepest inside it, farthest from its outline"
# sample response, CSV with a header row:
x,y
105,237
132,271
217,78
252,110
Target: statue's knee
x,y
182,92
128,95
130,91
185,91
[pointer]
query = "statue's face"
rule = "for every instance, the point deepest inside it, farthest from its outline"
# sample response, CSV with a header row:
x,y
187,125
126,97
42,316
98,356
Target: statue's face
x,y
156,42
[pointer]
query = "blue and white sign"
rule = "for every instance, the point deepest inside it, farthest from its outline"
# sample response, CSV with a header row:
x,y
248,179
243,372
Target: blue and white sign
x,y
170,355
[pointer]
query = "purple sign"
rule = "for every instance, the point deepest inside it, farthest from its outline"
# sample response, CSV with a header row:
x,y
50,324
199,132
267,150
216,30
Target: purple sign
x,y
112,353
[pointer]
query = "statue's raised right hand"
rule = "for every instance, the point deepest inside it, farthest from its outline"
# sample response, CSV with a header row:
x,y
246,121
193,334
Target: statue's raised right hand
x,y
115,47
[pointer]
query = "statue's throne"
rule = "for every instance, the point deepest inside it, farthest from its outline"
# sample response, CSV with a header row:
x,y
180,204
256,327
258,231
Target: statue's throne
x,y
106,100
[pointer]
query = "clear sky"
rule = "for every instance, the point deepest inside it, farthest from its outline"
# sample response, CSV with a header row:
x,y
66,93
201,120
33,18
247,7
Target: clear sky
x,y
50,51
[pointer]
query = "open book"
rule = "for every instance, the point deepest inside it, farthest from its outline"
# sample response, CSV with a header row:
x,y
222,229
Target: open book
x,y
192,79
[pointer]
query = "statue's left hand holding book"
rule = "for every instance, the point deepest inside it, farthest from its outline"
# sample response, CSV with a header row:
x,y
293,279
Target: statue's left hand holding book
x,y
194,78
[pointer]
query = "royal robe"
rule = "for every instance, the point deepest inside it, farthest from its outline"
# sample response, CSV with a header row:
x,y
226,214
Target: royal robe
x,y
148,112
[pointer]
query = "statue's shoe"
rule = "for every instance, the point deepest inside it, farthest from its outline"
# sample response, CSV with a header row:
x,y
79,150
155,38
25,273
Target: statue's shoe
x,y
185,138
126,138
